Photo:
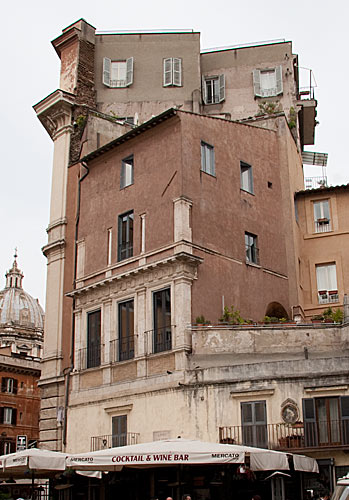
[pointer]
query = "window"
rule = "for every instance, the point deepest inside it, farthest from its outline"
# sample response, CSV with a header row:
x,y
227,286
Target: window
x,y
254,424
326,277
9,385
246,177
172,72
8,415
162,320
117,73
126,178
322,216
119,430
207,159
126,330
213,89
125,236
267,82
93,339
326,421
252,252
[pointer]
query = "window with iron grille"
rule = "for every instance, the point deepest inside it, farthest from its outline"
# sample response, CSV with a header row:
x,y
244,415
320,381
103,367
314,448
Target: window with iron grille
x,y
126,330
162,320
93,352
125,236
117,73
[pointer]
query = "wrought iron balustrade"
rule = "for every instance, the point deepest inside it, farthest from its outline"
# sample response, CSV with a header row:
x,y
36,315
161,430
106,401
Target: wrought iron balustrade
x,y
328,297
90,357
122,349
111,441
320,434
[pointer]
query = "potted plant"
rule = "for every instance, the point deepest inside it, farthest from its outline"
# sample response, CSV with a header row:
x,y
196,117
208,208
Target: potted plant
x,y
231,316
201,321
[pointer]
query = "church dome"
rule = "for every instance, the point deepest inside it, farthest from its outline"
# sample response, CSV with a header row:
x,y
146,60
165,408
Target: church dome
x,y
17,307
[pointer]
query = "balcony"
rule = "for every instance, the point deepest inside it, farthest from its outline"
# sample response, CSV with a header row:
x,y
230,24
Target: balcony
x,y
323,226
316,182
312,435
160,339
90,357
122,349
113,441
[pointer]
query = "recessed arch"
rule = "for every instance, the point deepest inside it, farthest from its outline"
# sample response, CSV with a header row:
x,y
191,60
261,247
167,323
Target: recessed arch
x,y
276,310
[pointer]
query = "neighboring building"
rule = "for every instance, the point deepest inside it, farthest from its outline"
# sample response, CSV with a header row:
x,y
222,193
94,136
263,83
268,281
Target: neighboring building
x,y
323,263
156,220
21,341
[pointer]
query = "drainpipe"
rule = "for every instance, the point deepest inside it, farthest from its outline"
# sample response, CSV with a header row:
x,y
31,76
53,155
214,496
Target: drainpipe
x,y
71,367
345,309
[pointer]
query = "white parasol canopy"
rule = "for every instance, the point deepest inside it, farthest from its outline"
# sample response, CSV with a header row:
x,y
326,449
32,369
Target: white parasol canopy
x,y
32,459
175,452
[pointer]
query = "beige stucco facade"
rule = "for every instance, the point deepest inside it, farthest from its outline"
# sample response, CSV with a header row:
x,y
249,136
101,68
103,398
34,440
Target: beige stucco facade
x,y
175,232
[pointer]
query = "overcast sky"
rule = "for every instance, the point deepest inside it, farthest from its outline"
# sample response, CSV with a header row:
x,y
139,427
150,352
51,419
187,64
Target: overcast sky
x,y
318,30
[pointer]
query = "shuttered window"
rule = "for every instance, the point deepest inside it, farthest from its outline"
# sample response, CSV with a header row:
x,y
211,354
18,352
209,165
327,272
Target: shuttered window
x,y
8,415
9,385
254,424
172,72
213,89
93,339
117,73
119,430
268,82
126,177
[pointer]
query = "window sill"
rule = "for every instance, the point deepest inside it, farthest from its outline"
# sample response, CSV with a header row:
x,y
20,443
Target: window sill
x,y
246,191
208,173
253,264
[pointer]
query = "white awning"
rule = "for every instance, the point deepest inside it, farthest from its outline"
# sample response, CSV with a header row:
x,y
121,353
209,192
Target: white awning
x,y
305,464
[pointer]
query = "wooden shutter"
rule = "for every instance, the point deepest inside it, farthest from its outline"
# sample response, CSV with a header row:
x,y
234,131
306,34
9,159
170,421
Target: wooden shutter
x,y
14,416
123,175
1,415
167,72
310,426
177,71
15,386
257,82
221,88
278,74
119,430
129,71
106,71
4,384
344,408
203,90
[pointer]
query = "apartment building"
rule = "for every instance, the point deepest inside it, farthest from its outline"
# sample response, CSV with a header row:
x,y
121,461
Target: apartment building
x,y
173,196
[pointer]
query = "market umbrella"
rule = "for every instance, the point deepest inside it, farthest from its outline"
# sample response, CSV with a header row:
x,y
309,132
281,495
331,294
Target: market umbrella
x,y
179,452
41,462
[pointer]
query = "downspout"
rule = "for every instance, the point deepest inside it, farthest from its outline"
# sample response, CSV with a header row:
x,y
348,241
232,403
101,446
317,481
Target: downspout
x,y
71,367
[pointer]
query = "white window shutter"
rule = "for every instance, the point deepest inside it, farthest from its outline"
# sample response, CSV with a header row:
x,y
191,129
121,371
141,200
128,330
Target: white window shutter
x,y
203,90
278,74
221,88
257,82
167,72
106,71
129,71
177,71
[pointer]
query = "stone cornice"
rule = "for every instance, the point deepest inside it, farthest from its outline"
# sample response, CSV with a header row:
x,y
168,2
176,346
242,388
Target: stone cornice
x,y
180,257
55,246
54,111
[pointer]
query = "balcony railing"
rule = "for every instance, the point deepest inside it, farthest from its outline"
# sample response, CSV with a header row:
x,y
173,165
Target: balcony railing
x,y
328,297
112,441
122,349
158,340
321,434
315,182
90,357
323,226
